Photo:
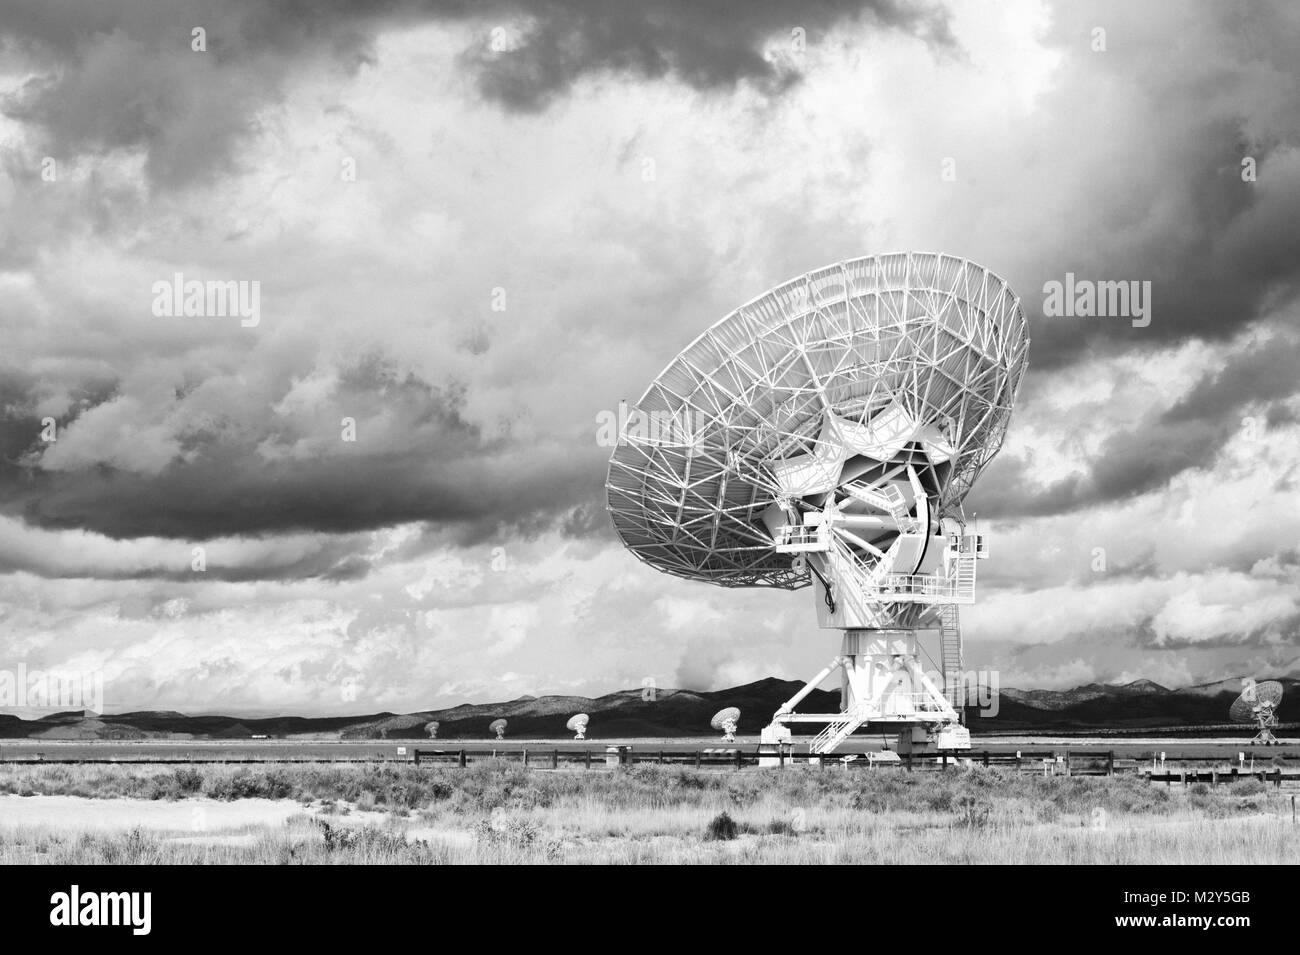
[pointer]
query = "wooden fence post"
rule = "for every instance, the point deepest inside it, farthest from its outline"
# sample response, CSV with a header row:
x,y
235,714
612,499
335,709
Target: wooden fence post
x,y
555,759
460,759
1110,763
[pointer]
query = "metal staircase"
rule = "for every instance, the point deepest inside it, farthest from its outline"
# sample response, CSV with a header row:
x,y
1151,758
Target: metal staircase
x,y
837,731
964,575
950,648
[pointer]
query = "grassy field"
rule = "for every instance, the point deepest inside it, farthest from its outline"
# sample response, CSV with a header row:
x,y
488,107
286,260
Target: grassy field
x,y
503,813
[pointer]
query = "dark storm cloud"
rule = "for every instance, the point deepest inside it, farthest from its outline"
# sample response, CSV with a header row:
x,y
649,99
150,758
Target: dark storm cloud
x,y
22,428
1262,374
708,45
1128,463
1169,204
121,73
415,458
1171,207
1219,252
1279,415
246,496
1188,435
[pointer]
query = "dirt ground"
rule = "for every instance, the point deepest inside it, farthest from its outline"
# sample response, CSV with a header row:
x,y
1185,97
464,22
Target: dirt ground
x,y
75,814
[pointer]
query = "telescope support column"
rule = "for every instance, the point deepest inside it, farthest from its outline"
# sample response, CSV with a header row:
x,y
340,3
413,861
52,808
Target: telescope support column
x,y
881,683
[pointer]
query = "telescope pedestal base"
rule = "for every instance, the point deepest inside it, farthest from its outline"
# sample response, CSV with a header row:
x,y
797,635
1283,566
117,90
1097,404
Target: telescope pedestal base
x,y
882,684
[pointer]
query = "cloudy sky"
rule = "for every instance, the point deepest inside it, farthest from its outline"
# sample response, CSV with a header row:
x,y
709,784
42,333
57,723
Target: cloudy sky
x,y
476,226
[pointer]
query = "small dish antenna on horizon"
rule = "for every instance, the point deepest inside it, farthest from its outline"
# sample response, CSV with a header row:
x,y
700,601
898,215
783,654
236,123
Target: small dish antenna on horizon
x,y
1258,704
578,725
498,727
432,729
726,720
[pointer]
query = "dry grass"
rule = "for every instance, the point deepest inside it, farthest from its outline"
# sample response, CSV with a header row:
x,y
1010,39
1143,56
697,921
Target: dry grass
x,y
497,813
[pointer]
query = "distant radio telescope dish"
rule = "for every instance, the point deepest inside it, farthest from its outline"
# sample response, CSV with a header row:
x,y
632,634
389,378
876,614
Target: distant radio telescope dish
x,y
432,729
825,434
726,720
498,727
1258,705
578,725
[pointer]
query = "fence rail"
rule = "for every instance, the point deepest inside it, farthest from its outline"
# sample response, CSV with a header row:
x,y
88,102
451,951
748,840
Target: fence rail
x,y
41,759
1183,770
1047,762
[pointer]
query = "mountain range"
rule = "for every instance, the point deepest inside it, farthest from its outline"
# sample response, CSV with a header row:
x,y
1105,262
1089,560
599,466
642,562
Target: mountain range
x,y
1096,707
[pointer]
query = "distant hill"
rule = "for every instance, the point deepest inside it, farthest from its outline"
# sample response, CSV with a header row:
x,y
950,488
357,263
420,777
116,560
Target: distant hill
x,y
1130,706
1064,699
668,713
234,731
396,727
86,728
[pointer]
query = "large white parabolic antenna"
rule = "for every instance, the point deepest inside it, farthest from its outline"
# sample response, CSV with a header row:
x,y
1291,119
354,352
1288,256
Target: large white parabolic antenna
x,y
577,725
1258,704
826,432
727,720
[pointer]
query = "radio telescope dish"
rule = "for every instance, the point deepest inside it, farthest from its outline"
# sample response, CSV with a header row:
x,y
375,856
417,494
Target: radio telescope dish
x,y
1258,704
432,729
726,721
498,727
578,725
826,434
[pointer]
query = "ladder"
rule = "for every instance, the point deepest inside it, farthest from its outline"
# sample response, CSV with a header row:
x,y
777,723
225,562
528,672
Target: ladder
x,y
837,731
950,646
964,577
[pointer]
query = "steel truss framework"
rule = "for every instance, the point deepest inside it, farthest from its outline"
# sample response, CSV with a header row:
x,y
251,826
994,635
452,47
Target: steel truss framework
x,y
828,429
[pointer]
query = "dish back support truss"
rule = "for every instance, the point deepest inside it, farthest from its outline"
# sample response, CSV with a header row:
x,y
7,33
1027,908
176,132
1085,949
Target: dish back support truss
x,y
933,337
